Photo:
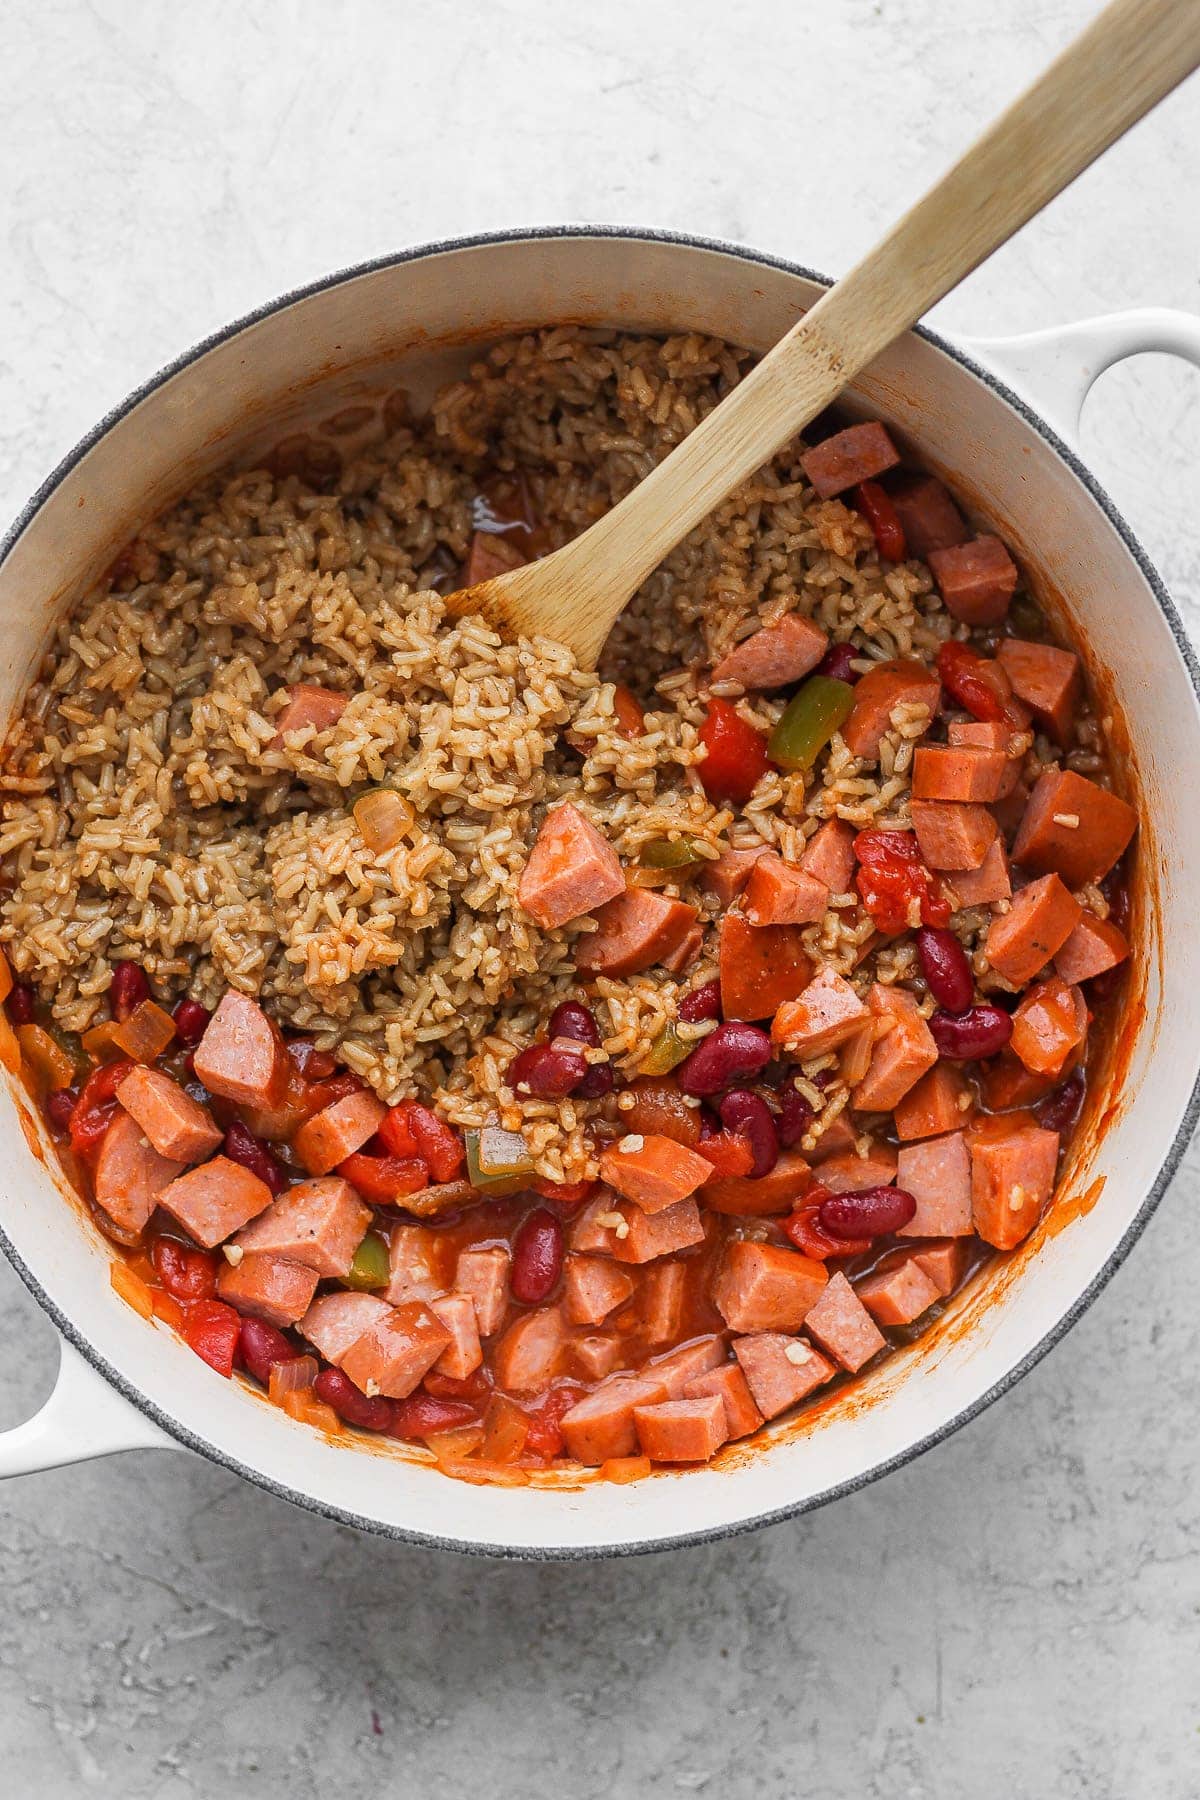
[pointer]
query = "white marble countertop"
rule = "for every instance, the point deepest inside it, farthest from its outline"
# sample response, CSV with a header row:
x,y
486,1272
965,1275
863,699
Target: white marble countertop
x,y
1016,1613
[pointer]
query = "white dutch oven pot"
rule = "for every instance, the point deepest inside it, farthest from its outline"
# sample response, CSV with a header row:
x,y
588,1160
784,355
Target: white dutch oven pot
x,y
127,1384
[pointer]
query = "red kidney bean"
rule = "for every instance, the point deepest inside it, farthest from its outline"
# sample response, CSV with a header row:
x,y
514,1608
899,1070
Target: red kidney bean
x,y
836,663
241,1146
350,1404
128,989
20,1003
870,1213
60,1105
260,1345
980,1031
598,1081
191,1020
1059,1110
730,1053
795,1116
421,1415
546,1072
946,968
704,1002
574,1020
749,1116
537,1257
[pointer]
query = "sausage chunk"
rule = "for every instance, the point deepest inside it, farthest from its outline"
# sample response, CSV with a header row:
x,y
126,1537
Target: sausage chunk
x,y
177,1126
780,1370
843,1327
876,697
633,932
977,580
681,1431
309,708
763,1287
1012,1178
572,869
775,656
130,1174
857,454
778,894
317,1223
1073,827
760,966
337,1131
930,519
824,1016
953,836
215,1200
937,1173
1036,926
241,1055
268,1287
901,1056
1047,679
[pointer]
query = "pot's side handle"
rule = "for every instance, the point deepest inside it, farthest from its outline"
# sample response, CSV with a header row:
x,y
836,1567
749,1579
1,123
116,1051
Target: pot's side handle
x,y
83,1418
1055,369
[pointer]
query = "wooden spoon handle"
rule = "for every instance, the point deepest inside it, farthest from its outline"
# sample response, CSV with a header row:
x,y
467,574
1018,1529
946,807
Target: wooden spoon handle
x,y
1134,53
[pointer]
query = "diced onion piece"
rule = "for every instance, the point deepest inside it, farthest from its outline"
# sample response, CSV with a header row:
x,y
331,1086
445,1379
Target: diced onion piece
x,y
505,1428
302,1404
623,1469
131,1288
48,1060
289,1377
101,1042
382,816
145,1034
453,1446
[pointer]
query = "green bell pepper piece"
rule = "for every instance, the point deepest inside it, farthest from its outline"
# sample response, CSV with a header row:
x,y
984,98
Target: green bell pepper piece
x,y
370,1268
810,719
670,853
497,1161
666,1052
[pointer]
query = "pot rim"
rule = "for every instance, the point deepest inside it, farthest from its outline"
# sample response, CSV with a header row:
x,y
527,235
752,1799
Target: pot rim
x,y
190,1439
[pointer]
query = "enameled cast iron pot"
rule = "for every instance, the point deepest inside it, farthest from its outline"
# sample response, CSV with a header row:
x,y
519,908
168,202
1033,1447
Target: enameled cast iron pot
x,y
127,1384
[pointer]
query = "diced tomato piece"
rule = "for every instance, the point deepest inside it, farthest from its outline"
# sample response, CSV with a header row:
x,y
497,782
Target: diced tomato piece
x,y
93,1111
803,1228
890,874
384,1180
185,1272
875,504
737,754
544,1437
313,1064
438,1144
421,1415
728,1153
211,1329
978,685
627,711
395,1134
455,1387
564,1193
321,1094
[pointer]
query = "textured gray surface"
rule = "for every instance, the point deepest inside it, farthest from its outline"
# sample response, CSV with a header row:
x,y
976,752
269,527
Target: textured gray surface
x,y
1017,1613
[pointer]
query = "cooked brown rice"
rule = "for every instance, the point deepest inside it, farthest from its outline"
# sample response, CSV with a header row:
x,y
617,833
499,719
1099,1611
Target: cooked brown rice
x,y
148,815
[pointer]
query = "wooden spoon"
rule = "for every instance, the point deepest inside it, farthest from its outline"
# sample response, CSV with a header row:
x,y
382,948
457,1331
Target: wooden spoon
x,y
1121,66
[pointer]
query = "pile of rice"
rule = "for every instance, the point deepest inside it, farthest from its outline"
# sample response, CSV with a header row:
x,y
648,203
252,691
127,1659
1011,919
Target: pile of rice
x,y
147,815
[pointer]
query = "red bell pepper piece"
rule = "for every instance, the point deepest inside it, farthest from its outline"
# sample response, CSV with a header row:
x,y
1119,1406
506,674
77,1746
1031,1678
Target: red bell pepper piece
x,y
890,874
437,1144
185,1272
737,754
384,1180
979,685
544,1437
212,1329
875,504
93,1111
